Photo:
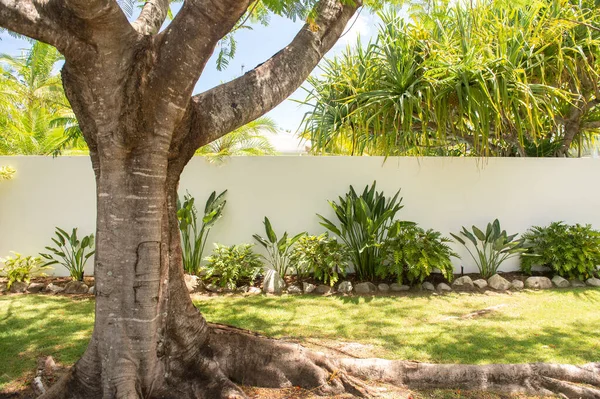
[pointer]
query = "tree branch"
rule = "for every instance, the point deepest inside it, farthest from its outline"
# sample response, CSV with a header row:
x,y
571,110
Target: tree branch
x,y
231,105
153,15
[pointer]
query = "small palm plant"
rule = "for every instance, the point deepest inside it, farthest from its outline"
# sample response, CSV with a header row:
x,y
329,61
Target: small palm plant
x,y
278,249
70,251
492,247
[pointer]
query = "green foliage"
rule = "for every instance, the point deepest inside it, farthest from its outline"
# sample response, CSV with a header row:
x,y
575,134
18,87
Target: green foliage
x,y
363,224
411,254
228,266
320,256
70,252
194,234
6,173
278,249
22,268
492,247
571,251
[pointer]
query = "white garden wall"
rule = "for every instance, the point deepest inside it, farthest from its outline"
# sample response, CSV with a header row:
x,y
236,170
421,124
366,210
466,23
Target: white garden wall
x,y
439,193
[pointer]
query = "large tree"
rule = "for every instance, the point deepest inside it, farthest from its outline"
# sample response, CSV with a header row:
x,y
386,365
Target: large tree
x,y
131,89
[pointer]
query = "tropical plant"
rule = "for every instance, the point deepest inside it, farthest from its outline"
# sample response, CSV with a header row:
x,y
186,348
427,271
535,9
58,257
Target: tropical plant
x,y
19,268
6,173
411,254
278,249
363,224
228,266
247,140
70,251
321,256
492,247
193,234
571,251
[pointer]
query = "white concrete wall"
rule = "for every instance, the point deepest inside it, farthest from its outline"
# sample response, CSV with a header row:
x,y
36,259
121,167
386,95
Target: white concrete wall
x,y
439,193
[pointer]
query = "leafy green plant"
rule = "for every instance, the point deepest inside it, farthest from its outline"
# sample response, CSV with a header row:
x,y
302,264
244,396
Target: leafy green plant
x,y
6,173
22,268
70,252
364,220
321,256
411,254
194,234
571,251
228,266
492,247
278,249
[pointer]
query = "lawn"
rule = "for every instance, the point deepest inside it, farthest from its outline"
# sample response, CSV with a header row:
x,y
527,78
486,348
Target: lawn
x,y
549,326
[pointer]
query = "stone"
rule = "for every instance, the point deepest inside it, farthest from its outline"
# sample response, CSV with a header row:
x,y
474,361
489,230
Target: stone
x,y
294,290
76,287
254,291
365,288
191,282
517,285
54,289
463,283
428,286
498,283
399,287
541,283
212,287
308,287
593,282
49,366
243,289
36,287
323,289
92,290
443,287
18,286
2,287
480,283
576,283
37,386
383,287
273,283
560,282
345,287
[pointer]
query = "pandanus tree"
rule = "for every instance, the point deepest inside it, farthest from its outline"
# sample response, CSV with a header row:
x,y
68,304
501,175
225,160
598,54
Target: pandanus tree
x,y
130,85
485,78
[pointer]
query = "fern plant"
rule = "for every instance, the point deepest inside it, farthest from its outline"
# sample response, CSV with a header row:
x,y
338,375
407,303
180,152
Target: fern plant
x,y
321,256
278,249
19,268
70,251
410,254
228,266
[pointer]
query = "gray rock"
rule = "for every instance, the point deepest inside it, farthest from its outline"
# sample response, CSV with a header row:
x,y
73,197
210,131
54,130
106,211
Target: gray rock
x,y
560,282
383,287
37,386
18,286
577,283
49,366
443,287
480,283
36,287
323,289
365,288
254,291
55,289
308,287
398,287
191,282
345,287
92,290
2,287
243,289
273,283
76,287
294,290
463,283
517,285
593,282
540,283
498,283
212,287
428,286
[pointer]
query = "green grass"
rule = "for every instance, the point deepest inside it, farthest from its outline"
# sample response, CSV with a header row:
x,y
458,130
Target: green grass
x,y
550,326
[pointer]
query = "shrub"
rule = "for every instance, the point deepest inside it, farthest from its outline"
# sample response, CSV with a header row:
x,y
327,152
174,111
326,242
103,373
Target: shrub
x,y
364,220
6,173
228,266
571,251
278,250
492,248
194,234
70,252
22,268
411,254
321,256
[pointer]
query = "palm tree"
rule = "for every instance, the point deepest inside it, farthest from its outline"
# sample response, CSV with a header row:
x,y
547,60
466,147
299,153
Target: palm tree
x,y
248,140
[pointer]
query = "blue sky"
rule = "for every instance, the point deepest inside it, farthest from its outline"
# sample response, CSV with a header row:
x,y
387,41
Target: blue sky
x,y
254,47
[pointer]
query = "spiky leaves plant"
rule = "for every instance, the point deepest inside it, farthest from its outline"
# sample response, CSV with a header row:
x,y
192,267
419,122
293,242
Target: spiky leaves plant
x,y
70,251
278,249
